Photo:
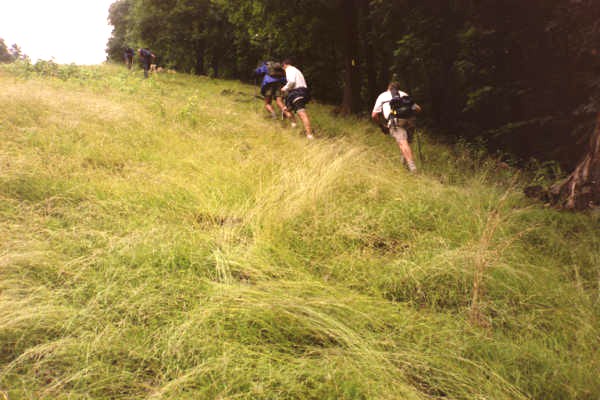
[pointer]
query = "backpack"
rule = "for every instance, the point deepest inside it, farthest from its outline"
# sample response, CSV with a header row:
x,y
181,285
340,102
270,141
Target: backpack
x,y
401,106
145,53
275,69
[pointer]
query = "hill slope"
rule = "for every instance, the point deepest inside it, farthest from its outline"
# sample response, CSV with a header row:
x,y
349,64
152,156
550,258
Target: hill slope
x,y
161,239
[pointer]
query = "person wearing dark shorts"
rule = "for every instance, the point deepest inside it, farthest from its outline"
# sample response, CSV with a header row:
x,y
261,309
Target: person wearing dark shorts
x,y
146,57
297,96
129,53
273,81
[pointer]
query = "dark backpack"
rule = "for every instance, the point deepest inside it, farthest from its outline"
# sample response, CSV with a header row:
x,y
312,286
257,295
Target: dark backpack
x,y
401,106
275,69
145,53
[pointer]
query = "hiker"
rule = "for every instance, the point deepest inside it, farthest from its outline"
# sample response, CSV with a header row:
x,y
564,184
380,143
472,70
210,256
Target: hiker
x,y
397,104
129,54
273,80
297,96
147,57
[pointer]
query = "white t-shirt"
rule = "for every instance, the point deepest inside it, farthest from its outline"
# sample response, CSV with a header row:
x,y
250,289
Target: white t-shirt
x,y
383,103
294,77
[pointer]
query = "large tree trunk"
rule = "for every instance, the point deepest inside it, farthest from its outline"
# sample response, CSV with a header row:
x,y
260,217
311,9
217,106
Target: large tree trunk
x,y
581,190
351,99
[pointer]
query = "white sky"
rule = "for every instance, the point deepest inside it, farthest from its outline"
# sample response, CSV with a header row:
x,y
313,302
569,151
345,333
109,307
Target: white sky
x,y
68,30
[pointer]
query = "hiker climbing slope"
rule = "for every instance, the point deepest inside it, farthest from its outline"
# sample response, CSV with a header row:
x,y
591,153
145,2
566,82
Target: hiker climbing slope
x,y
297,95
273,80
128,56
146,57
398,111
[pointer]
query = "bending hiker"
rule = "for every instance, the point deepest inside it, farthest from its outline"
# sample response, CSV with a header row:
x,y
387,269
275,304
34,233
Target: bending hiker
x,y
273,81
129,54
398,111
147,57
297,96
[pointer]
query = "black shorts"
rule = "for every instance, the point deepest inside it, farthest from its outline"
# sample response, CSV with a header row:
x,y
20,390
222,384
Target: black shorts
x,y
297,98
272,89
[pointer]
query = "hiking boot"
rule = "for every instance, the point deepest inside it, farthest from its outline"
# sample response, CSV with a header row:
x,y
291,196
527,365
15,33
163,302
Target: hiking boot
x,y
412,167
310,136
294,125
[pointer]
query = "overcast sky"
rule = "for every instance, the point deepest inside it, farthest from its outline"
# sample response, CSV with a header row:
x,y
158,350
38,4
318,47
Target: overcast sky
x,y
68,30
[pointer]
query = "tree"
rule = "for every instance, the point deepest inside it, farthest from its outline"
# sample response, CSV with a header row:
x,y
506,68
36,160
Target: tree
x,y
5,56
119,16
366,27
510,71
16,52
581,189
351,97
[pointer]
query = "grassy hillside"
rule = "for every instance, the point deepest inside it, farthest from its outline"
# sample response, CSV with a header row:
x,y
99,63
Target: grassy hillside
x,y
162,239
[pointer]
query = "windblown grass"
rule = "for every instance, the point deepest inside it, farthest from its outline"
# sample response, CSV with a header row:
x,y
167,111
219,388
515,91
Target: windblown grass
x,y
161,239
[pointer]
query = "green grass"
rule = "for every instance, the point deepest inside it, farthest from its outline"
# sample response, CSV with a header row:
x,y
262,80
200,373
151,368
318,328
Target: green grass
x,y
162,239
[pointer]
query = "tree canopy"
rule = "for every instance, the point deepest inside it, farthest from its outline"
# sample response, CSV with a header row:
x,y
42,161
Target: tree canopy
x,y
519,74
9,55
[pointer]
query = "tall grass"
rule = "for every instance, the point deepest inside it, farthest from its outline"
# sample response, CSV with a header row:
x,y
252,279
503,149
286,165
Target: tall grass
x,y
161,239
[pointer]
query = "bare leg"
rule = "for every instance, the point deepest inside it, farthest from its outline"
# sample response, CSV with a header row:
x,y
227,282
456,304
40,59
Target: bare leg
x,y
269,107
407,153
290,116
306,121
285,112
400,133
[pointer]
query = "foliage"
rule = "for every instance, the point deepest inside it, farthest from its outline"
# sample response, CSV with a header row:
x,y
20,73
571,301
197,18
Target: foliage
x,y
49,68
522,74
10,55
5,56
120,18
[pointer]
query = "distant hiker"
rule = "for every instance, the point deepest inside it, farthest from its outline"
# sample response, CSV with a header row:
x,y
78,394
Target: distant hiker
x,y
398,111
146,57
129,54
297,96
273,80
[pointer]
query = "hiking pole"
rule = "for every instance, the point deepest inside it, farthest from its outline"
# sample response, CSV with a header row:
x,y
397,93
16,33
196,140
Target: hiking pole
x,y
418,134
256,89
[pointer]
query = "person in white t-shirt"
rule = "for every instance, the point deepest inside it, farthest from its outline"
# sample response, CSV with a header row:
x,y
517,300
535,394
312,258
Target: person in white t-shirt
x,y
381,115
297,95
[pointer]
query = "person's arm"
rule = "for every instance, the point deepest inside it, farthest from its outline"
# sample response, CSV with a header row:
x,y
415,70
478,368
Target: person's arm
x,y
377,109
376,115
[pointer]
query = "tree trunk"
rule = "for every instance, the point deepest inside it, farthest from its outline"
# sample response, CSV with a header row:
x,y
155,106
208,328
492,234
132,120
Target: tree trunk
x,y
351,99
369,52
581,190
199,49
